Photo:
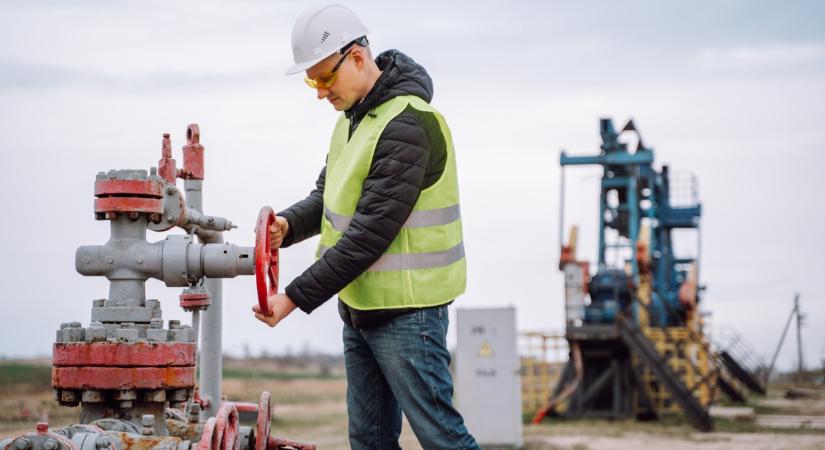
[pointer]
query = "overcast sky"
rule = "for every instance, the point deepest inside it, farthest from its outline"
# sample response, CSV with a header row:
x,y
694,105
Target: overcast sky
x,y
732,91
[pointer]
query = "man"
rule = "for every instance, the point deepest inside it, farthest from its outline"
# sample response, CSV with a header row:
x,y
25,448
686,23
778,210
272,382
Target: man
x,y
386,206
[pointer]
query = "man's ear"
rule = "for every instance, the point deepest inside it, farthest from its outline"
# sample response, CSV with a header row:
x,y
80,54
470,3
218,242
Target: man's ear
x,y
358,56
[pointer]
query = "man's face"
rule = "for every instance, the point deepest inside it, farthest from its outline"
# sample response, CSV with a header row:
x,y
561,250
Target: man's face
x,y
343,92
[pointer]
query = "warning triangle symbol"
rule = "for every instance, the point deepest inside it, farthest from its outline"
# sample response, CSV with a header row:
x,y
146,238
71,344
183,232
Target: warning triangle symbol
x,y
486,350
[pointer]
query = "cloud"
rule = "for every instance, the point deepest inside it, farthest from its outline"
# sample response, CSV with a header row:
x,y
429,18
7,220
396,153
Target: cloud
x,y
777,54
31,76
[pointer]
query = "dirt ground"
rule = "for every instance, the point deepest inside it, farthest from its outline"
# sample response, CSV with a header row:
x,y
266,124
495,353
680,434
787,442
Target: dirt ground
x,y
314,410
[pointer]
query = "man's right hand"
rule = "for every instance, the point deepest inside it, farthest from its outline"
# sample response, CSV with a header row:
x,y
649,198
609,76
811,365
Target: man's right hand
x,y
277,232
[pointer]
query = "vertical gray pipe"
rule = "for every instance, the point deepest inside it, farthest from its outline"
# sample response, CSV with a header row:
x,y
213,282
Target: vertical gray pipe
x,y
211,357
125,291
196,329
210,350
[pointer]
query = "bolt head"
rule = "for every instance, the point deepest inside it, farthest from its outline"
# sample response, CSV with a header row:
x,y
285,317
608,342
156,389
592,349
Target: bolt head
x,y
102,441
109,260
139,260
22,444
148,420
49,444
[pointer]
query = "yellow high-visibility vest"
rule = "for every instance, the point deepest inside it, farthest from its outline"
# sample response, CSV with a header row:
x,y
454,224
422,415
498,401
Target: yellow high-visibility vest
x,y
425,264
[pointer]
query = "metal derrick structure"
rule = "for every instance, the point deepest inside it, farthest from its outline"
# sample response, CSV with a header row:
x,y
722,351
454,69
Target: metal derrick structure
x,y
133,377
636,338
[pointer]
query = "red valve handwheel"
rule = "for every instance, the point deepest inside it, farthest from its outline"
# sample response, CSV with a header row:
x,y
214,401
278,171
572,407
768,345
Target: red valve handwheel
x,y
264,421
266,260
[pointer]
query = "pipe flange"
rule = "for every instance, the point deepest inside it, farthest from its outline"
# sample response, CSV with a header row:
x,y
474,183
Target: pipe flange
x,y
174,210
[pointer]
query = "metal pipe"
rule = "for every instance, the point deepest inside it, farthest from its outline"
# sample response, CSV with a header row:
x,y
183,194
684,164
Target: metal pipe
x,y
561,209
124,232
799,339
210,351
196,327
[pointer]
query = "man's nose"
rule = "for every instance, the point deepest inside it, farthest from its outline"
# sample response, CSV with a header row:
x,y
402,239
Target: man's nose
x,y
322,93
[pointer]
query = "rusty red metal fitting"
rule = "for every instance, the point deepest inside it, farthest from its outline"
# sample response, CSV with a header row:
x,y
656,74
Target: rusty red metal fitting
x,y
195,300
128,204
128,196
123,354
132,188
167,166
203,401
264,422
222,431
123,377
42,427
123,365
193,154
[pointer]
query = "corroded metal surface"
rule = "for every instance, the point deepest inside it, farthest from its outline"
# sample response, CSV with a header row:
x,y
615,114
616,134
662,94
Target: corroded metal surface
x,y
128,204
132,354
138,188
123,377
193,154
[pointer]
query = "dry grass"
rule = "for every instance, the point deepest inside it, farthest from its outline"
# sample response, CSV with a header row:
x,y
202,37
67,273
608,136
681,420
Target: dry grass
x,y
311,406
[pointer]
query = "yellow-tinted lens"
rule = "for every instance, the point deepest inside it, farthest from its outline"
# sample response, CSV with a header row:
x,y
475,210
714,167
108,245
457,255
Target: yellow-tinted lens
x,y
322,82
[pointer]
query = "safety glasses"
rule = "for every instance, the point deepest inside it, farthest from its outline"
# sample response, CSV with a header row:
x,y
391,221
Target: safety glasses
x,y
326,80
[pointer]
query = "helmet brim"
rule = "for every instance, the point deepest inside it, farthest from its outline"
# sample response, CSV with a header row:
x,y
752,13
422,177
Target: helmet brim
x,y
300,67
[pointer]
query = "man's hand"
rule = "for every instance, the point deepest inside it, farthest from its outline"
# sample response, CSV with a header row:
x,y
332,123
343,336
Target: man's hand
x,y
280,305
277,232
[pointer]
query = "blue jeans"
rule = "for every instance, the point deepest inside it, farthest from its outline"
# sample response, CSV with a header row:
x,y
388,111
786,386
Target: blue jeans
x,y
402,366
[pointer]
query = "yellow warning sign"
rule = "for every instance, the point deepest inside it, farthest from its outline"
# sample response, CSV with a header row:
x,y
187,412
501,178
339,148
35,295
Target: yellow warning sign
x,y
486,350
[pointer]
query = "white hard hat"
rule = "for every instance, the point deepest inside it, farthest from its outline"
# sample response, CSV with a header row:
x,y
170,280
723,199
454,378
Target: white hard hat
x,y
321,31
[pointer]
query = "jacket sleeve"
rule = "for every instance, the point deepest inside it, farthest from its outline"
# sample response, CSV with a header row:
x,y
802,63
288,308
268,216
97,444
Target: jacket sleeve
x,y
389,192
304,217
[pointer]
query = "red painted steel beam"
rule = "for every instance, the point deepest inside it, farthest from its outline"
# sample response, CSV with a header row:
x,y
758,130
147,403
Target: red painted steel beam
x,y
132,354
123,377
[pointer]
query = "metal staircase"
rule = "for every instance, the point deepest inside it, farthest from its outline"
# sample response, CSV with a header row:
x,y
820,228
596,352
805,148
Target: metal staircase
x,y
644,349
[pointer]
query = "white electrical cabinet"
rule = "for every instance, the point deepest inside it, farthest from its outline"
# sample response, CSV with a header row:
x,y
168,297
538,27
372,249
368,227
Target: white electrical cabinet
x,y
487,375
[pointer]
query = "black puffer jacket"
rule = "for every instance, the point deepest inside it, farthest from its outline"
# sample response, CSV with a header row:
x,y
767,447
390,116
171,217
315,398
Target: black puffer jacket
x,y
406,161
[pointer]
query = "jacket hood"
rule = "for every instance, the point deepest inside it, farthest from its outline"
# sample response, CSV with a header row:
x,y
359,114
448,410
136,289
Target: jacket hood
x,y
400,75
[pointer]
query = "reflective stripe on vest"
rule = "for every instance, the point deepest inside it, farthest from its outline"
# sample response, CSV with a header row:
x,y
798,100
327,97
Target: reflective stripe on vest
x,y
417,219
413,261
